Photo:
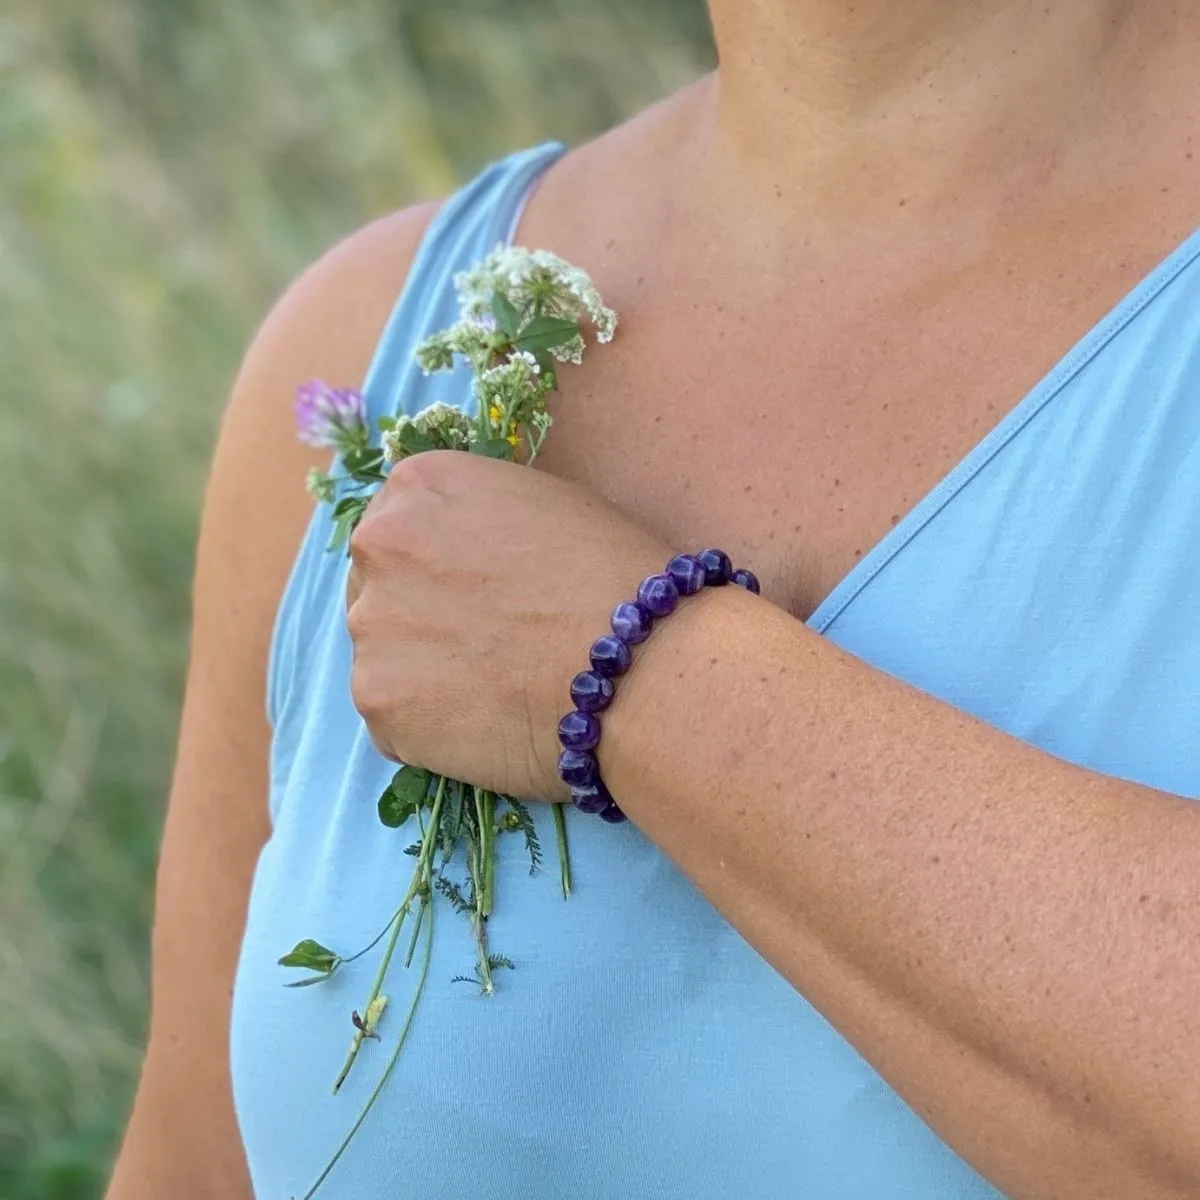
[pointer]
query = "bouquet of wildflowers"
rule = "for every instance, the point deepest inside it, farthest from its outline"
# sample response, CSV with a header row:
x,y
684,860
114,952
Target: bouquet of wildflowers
x,y
522,315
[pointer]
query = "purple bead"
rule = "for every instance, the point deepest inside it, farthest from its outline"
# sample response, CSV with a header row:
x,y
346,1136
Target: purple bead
x,y
610,656
717,567
659,594
592,799
688,573
613,815
578,767
632,622
578,731
747,580
591,691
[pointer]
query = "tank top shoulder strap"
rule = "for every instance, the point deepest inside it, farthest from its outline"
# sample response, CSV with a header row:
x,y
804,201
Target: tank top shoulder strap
x,y
476,219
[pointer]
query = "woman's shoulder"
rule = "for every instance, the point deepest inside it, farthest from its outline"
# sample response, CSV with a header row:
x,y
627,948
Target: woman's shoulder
x,y
324,325
328,320
256,509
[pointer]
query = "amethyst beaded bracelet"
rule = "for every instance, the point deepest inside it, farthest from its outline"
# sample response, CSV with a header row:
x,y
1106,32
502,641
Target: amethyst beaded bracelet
x,y
592,691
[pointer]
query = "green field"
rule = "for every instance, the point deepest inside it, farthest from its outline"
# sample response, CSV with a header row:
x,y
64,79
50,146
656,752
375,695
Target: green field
x,y
166,166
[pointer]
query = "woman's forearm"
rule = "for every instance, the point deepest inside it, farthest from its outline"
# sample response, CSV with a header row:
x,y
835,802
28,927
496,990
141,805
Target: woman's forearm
x,y
1013,941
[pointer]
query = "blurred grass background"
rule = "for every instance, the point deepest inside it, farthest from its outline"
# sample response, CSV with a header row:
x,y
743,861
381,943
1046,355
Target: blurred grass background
x,y
166,167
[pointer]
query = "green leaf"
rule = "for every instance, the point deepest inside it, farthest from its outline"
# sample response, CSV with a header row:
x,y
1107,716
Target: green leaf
x,y
345,521
385,423
544,333
393,812
404,795
508,319
414,441
453,894
494,448
362,460
370,477
412,785
310,955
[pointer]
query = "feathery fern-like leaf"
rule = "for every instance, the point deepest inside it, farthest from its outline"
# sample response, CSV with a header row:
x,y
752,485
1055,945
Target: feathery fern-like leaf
x,y
532,843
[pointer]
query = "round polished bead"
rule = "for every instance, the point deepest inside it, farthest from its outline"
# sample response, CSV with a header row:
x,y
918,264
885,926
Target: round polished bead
x,y
592,799
632,622
591,691
579,731
717,567
613,815
747,580
688,573
577,767
659,594
610,656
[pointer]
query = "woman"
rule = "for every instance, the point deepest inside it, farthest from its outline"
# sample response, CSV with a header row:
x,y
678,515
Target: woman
x,y
854,268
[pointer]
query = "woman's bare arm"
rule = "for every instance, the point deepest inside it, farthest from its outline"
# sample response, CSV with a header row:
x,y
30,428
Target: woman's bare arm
x,y
182,1138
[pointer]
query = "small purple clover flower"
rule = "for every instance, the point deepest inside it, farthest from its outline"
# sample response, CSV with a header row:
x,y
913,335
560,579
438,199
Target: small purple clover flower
x,y
335,417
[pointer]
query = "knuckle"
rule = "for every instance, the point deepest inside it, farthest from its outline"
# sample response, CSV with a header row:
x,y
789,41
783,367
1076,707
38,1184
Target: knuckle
x,y
374,704
356,621
411,474
367,537
365,691
400,507
430,473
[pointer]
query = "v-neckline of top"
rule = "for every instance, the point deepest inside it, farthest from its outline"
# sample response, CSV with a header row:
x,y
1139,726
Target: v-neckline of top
x,y
865,570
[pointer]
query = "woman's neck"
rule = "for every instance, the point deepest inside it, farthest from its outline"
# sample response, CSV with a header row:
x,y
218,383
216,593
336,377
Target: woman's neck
x,y
929,96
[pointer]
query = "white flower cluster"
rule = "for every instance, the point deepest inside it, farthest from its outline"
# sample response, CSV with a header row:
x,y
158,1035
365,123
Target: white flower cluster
x,y
448,427
506,383
508,343
537,278
513,394
320,485
474,339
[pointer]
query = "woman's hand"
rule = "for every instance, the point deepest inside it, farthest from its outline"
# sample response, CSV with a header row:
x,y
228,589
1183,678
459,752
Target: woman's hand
x,y
477,587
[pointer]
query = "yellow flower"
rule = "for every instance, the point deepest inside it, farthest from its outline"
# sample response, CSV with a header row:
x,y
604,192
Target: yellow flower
x,y
512,439
495,413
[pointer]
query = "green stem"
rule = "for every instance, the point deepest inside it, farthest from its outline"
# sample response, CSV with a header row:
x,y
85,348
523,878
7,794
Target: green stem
x,y
488,852
475,864
426,898
428,844
481,416
535,448
375,940
485,967
424,914
359,1034
564,858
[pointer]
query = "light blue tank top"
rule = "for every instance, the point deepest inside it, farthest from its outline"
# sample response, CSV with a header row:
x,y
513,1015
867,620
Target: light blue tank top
x,y
1048,585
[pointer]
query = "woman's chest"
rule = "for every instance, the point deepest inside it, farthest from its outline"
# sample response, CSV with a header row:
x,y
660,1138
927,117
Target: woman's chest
x,y
798,450
797,419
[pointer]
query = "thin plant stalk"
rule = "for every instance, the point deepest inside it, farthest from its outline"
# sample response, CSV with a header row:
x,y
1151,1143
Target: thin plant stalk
x,y
418,882
564,858
424,916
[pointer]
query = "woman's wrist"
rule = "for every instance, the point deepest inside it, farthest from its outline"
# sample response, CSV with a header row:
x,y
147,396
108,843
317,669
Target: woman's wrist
x,y
658,597
658,713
